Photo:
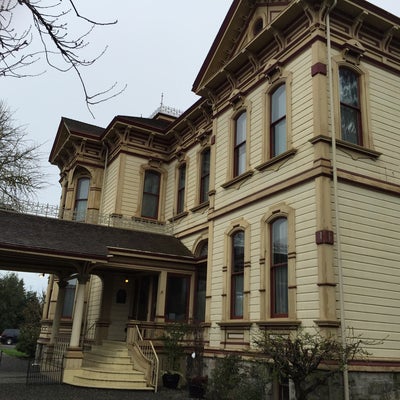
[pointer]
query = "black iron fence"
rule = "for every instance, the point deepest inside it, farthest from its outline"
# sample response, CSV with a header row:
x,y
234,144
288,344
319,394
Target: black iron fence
x,y
47,370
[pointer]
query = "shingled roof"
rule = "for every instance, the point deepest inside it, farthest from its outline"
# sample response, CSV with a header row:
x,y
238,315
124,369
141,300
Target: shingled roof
x,y
82,127
41,234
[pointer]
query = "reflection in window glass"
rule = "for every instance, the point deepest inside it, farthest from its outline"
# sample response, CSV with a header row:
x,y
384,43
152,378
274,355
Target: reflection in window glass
x,y
350,111
279,267
237,274
177,299
81,199
151,194
204,175
240,145
278,121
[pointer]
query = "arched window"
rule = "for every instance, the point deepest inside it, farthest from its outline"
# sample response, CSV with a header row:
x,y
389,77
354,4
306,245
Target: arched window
x,y
201,282
151,194
81,199
237,274
279,267
180,203
350,106
278,121
239,153
204,175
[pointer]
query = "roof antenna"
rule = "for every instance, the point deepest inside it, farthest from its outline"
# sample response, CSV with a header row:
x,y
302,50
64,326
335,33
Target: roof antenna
x,y
162,100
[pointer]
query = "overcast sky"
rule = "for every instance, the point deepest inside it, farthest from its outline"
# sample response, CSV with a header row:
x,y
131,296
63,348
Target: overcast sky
x,y
156,47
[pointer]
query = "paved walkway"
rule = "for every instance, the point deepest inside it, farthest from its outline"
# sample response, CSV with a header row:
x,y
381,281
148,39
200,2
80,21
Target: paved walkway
x,y
13,387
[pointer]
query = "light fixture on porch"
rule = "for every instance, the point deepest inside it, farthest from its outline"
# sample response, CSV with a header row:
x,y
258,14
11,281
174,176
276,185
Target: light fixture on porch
x,y
126,280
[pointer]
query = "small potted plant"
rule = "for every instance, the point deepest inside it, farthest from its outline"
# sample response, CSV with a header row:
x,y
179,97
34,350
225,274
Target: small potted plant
x,y
174,350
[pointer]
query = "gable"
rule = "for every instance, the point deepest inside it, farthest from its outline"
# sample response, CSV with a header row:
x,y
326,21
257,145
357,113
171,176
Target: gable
x,y
244,21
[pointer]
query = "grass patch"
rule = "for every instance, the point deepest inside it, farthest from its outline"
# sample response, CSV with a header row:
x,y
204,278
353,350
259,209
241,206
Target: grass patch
x,y
14,353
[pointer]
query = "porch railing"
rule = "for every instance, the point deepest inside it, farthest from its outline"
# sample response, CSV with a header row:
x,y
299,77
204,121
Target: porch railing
x,y
147,351
89,216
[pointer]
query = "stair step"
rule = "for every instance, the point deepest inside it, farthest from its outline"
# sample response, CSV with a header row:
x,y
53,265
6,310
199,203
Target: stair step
x,y
114,384
112,375
109,366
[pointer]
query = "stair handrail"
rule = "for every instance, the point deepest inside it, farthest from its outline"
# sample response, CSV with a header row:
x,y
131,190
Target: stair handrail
x,y
149,352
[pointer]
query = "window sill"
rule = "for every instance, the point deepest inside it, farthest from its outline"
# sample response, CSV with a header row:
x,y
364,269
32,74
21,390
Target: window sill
x,y
277,160
235,324
356,152
200,206
238,179
178,216
279,324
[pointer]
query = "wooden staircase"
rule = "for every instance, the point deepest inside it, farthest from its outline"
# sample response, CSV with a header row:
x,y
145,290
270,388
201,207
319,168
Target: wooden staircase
x,y
109,366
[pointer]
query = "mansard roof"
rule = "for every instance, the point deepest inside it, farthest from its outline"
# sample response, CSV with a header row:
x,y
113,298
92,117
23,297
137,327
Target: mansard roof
x,y
152,123
61,238
79,127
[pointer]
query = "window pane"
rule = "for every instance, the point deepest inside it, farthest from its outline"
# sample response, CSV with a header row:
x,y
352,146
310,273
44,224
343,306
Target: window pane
x,y
240,160
204,175
281,290
69,298
237,287
152,182
238,252
279,138
350,124
177,298
150,206
279,269
83,188
349,93
81,199
278,103
182,177
241,129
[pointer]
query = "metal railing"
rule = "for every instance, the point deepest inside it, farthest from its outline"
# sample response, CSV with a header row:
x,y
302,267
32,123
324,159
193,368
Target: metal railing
x,y
148,352
89,216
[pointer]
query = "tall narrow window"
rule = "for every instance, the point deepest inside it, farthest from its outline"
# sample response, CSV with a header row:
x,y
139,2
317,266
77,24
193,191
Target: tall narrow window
x,y
180,206
204,175
69,298
279,268
237,274
201,282
350,107
151,194
81,199
278,121
239,156
177,298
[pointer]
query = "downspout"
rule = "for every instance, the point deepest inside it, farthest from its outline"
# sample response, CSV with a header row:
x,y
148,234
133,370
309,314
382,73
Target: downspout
x,y
336,200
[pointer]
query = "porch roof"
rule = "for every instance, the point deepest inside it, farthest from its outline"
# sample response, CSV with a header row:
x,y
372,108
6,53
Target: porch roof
x,y
22,232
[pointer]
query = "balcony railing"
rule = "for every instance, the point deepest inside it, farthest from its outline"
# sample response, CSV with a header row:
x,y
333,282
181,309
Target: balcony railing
x,y
90,217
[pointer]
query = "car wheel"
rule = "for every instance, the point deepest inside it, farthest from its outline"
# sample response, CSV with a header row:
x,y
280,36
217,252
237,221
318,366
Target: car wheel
x,y
9,341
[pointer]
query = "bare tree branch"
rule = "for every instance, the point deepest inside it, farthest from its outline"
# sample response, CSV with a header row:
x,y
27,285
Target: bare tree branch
x,y
62,49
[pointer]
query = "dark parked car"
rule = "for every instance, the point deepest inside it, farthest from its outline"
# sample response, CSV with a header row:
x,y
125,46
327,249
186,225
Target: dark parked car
x,y
9,336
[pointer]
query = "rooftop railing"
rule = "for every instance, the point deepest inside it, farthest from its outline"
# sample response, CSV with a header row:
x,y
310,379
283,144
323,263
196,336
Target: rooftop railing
x,y
89,216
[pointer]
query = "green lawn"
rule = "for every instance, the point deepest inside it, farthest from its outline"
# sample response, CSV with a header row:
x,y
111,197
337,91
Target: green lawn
x,y
14,353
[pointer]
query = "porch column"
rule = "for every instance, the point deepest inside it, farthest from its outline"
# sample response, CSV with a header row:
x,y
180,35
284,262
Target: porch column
x,y
161,295
62,284
78,313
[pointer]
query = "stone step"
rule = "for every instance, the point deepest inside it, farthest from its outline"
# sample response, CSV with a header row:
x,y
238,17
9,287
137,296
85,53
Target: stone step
x,y
110,375
93,382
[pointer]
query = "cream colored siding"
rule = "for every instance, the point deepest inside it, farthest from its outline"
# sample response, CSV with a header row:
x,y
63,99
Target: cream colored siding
x,y
110,188
370,224
131,185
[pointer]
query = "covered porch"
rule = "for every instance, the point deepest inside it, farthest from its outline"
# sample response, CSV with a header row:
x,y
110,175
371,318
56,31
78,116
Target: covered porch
x,y
126,284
